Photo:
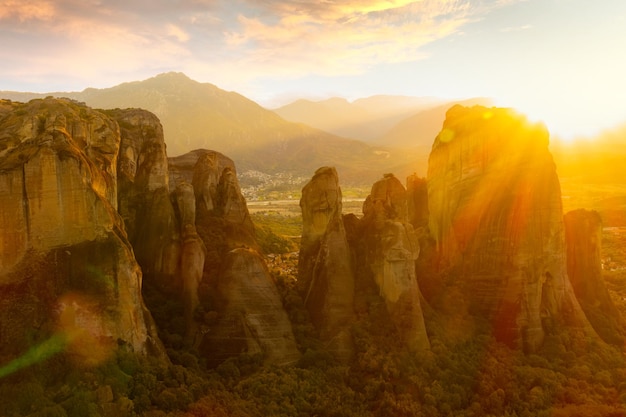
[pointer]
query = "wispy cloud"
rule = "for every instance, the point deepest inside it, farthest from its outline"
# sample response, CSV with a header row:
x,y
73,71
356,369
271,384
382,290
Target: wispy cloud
x,y
26,10
95,39
516,28
297,37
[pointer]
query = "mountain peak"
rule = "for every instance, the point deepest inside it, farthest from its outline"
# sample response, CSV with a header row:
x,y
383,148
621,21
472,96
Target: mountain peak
x,y
173,76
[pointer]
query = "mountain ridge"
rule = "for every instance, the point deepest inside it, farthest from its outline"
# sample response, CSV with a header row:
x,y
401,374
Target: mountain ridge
x,y
200,115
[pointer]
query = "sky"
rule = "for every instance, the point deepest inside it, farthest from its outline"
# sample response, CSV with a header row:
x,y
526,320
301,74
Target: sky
x,y
559,61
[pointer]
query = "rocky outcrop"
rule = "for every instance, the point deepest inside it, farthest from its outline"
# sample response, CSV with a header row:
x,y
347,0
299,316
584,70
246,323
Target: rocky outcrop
x,y
325,275
583,235
251,315
143,198
390,248
192,254
417,202
217,191
495,212
66,266
221,268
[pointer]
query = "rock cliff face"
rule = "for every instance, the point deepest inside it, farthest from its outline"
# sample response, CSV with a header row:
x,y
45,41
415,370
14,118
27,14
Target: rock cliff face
x,y
583,233
221,269
143,197
390,248
252,318
192,254
495,212
65,262
417,202
218,194
325,275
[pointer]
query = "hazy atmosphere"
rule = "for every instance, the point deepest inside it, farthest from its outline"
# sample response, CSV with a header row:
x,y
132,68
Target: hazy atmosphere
x,y
357,208
560,61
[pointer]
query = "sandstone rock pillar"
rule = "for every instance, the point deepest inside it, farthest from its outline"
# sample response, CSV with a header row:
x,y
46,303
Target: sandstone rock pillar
x,y
583,234
192,254
392,249
325,274
496,215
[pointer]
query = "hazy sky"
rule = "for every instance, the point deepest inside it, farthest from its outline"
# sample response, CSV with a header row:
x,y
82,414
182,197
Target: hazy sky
x,y
563,61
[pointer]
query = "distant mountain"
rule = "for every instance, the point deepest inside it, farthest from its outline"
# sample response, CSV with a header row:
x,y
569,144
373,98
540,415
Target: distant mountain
x,y
364,119
421,128
200,115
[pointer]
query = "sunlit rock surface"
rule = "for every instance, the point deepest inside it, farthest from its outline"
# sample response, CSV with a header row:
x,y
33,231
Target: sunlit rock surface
x,y
325,274
583,233
66,266
390,249
495,212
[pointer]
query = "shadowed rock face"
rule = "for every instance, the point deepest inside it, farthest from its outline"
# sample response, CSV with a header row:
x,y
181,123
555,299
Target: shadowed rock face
x,y
390,249
325,275
219,253
192,253
583,233
66,266
143,198
417,202
496,215
252,318
206,176
217,192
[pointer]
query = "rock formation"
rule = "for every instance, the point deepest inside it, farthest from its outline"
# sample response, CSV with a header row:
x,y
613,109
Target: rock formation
x,y
417,202
495,212
66,266
583,235
426,264
143,197
390,249
192,254
252,318
325,275
221,269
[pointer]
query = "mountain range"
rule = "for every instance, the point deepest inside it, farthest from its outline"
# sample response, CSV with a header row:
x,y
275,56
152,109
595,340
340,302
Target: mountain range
x,y
362,139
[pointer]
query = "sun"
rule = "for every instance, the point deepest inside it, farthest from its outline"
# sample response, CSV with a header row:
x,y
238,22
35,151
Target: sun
x,y
564,126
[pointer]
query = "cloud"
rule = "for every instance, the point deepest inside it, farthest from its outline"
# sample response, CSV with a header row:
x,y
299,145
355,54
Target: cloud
x,y
105,41
299,37
177,33
516,28
92,40
25,11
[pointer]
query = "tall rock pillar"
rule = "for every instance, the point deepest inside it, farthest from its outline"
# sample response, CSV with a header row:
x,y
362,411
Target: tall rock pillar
x,y
495,212
392,247
583,234
325,274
